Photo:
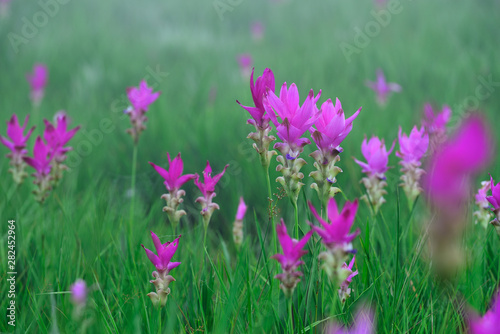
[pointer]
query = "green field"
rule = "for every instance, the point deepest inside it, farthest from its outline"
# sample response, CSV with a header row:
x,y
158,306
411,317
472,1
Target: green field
x,y
442,52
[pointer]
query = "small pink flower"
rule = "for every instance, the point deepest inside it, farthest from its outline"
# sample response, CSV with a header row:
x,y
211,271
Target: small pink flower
x,y
436,122
331,126
490,322
173,177
17,142
376,155
295,119
242,209
494,199
413,147
258,89
164,253
245,62
364,323
79,292
257,29
38,80
41,158
344,289
335,233
448,180
383,88
58,136
141,97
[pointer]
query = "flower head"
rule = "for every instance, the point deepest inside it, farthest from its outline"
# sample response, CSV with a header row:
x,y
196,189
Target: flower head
x,y
292,249
173,177
413,147
15,132
383,88
335,233
79,292
242,209
295,119
436,122
258,89
257,29
344,289
165,252
490,322
41,158
141,97
494,199
331,126
447,182
58,136
364,323
37,80
376,156
208,187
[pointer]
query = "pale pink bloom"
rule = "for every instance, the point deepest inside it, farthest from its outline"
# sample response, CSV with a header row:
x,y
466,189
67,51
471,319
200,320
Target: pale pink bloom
x,y
489,323
382,88
245,62
242,209
376,155
79,292
38,80
364,323
257,29
494,199
413,147
436,122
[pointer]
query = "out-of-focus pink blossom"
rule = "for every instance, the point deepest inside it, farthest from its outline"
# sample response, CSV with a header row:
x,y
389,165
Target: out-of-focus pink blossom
x,y
38,80
413,147
344,289
364,323
494,199
376,155
257,30
79,292
242,209
436,122
58,136
382,88
140,98
490,322
245,62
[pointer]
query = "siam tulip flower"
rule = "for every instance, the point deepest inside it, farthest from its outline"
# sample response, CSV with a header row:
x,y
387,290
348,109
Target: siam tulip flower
x,y
345,290
208,190
295,121
238,223
364,323
377,158
483,214
494,200
4,8
17,146
383,88
290,259
435,124
260,120
140,98
489,322
173,182
447,186
37,80
245,62
331,129
41,162
257,29
411,149
57,137
336,237
79,292
161,260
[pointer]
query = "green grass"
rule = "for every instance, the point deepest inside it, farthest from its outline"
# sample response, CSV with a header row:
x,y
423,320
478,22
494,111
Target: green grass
x,y
95,49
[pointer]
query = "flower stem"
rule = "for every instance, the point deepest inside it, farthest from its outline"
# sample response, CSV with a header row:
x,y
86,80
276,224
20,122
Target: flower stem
x,y
290,315
132,186
271,213
296,211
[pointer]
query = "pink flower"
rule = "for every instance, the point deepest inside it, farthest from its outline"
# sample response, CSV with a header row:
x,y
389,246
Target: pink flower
x,y
208,187
79,292
141,97
165,253
331,126
258,89
490,322
494,199
242,209
295,119
412,148
363,324
41,158
58,136
173,178
344,289
335,233
257,30
292,249
383,88
18,140
376,155
447,182
37,80
436,122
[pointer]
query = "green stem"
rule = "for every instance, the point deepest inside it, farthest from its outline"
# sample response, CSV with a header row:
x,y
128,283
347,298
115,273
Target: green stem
x,y
270,200
205,237
290,315
132,204
296,211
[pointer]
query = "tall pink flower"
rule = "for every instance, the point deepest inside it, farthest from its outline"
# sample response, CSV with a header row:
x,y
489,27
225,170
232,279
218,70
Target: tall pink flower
x,y
489,322
290,259
411,149
140,98
259,118
238,223
377,158
207,188
162,261
58,136
38,80
17,146
41,162
382,88
435,124
173,182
